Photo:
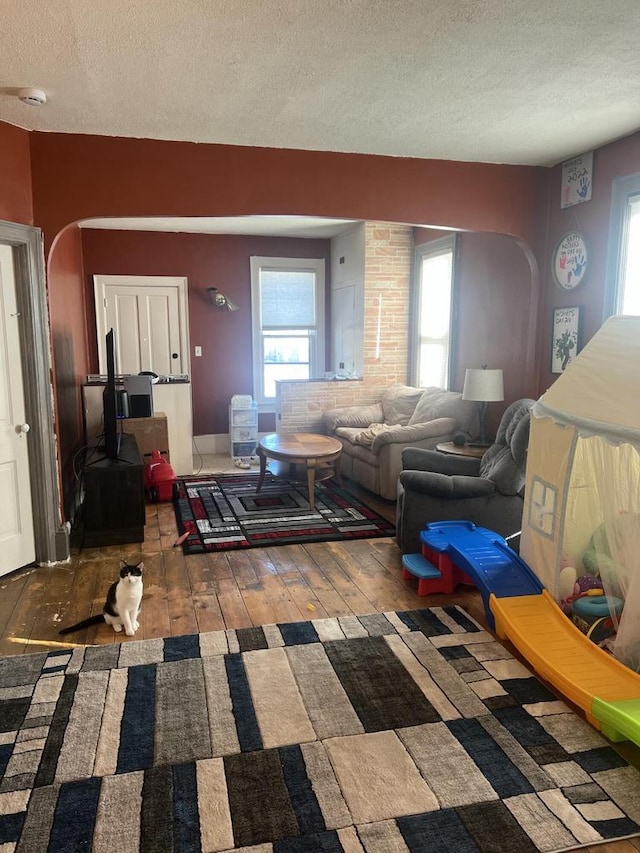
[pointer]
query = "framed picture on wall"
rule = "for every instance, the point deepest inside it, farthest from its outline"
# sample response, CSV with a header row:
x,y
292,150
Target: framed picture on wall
x,y
565,337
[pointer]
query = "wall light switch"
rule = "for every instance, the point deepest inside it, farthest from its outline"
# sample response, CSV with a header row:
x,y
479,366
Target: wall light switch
x,y
198,352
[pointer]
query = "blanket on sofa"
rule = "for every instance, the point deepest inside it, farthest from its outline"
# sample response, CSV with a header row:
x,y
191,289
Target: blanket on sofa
x,y
367,435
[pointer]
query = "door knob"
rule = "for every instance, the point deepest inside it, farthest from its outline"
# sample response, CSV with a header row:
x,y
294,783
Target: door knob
x,y
174,355
24,428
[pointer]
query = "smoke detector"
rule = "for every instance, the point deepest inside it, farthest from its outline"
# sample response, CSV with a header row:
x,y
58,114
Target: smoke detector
x,y
33,97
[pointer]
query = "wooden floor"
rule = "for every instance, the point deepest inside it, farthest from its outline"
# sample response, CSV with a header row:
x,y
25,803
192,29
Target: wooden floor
x,y
208,592
235,589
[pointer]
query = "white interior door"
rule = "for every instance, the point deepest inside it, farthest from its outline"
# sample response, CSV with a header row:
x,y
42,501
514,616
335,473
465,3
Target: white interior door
x,y
344,329
17,545
148,316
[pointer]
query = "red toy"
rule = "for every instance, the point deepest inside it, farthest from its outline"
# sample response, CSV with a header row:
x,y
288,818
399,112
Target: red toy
x,y
159,478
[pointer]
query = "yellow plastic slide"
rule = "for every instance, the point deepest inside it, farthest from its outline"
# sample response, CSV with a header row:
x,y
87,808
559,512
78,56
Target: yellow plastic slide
x,y
606,690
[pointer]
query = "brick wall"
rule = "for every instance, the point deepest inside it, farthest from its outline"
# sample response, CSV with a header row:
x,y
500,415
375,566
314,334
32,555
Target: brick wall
x,y
387,277
387,274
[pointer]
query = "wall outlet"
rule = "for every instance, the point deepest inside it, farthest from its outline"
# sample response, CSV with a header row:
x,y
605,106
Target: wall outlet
x,y
197,351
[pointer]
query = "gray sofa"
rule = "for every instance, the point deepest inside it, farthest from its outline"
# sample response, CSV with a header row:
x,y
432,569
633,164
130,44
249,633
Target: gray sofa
x,y
373,437
487,491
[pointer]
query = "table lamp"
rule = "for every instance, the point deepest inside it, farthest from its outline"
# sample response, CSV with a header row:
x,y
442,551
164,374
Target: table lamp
x,y
484,386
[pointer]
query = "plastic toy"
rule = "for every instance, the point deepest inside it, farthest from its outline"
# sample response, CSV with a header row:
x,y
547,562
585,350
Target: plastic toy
x,y
520,609
159,478
566,583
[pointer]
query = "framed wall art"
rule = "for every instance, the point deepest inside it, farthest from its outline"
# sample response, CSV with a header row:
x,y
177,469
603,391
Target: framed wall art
x,y
577,180
565,337
569,263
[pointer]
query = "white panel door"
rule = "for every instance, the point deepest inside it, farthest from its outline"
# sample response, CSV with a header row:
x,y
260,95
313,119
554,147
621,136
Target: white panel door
x,y
148,316
344,329
17,546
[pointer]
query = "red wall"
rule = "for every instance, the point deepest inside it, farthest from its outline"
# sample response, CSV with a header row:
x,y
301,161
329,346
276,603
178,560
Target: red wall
x,y
493,297
15,175
80,176
207,260
591,218
67,312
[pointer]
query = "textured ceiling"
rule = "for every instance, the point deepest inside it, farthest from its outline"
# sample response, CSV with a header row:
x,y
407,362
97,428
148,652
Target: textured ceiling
x,y
511,81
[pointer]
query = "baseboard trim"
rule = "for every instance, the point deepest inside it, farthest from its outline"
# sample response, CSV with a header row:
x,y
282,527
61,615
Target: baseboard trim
x,y
211,445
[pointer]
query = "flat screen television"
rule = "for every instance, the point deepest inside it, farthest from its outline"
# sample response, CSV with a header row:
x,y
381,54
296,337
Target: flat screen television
x,y
109,402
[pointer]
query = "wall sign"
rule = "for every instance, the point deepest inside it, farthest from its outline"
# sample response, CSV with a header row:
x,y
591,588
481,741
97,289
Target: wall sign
x,y
577,180
570,261
565,337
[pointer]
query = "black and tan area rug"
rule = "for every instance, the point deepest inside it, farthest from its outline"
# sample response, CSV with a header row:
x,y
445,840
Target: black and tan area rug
x,y
409,731
224,512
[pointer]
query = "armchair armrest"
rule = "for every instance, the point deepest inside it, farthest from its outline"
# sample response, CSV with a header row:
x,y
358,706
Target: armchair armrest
x,y
415,432
352,416
418,459
443,486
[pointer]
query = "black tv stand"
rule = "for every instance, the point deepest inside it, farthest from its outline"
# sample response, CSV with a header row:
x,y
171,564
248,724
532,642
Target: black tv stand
x,y
114,498
103,450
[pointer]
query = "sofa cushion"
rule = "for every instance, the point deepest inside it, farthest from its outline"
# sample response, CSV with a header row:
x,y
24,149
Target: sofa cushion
x,y
399,402
349,434
438,403
352,416
355,451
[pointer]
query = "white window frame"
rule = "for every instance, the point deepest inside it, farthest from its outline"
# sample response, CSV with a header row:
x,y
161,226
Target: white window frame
x,y
444,245
624,190
317,339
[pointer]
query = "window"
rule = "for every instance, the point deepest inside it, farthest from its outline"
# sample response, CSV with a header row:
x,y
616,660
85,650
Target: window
x,y
433,298
287,298
622,295
542,507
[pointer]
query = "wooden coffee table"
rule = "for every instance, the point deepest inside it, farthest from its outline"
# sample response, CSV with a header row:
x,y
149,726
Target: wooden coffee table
x,y
300,456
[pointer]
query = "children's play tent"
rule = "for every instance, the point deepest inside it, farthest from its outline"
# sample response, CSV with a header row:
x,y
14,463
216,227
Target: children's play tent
x,y
582,499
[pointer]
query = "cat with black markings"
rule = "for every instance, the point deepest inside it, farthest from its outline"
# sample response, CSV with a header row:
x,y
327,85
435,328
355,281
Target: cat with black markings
x,y
122,606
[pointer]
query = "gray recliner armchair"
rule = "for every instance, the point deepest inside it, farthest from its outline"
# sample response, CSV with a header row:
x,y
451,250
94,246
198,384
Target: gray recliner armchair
x,y
488,491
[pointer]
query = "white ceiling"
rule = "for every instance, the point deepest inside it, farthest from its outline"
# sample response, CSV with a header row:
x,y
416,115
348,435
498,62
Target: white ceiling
x,y
504,81
264,226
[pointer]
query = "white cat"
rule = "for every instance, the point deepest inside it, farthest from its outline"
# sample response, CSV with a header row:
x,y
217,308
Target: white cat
x,y
123,602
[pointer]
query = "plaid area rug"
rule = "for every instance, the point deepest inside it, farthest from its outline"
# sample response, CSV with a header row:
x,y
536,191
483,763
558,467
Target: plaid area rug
x,y
225,512
409,731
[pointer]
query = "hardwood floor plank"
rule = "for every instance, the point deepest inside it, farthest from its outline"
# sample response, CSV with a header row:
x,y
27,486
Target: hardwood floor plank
x,y
262,561
154,616
384,591
283,558
11,588
232,605
25,613
241,566
80,601
258,606
308,603
282,606
55,597
208,612
201,577
182,614
329,597
356,600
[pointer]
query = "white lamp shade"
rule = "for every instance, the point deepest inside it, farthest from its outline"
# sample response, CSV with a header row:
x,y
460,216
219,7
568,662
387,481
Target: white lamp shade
x,y
485,386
